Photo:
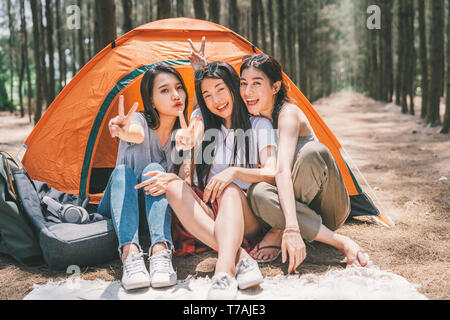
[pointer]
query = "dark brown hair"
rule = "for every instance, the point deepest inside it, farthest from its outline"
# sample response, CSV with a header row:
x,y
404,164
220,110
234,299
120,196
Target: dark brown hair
x,y
240,118
274,71
150,113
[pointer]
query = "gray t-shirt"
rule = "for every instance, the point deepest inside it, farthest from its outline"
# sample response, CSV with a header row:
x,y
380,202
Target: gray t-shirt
x,y
138,156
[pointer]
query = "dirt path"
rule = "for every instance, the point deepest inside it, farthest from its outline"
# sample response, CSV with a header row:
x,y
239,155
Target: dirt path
x,y
402,167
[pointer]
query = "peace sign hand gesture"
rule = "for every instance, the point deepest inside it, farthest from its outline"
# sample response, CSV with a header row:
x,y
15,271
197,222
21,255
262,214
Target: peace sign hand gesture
x,y
120,125
197,57
185,138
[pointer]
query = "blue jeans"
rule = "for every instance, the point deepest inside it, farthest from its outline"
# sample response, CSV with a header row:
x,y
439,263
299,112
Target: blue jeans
x,y
120,203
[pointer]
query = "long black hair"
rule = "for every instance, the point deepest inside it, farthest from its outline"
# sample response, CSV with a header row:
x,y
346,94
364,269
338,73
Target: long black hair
x,y
150,113
274,71
240,118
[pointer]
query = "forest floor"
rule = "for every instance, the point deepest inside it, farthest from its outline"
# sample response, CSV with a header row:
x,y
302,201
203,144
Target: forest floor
x,y
403,162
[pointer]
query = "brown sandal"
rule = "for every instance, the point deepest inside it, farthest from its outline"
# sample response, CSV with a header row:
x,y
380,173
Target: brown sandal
x,y
258,248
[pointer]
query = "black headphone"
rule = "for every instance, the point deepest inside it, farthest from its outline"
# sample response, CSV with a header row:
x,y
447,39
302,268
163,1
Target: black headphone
x,y
67,213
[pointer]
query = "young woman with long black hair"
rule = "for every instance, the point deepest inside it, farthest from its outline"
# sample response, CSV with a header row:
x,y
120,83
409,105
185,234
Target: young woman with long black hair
x,y
145,146
215,208
314,201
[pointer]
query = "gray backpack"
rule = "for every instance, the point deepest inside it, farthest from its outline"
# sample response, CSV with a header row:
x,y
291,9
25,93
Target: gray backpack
x,y
60,244
17,237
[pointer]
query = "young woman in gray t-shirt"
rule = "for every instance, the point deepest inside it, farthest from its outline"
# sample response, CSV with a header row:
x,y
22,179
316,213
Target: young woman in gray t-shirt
x,y
145,146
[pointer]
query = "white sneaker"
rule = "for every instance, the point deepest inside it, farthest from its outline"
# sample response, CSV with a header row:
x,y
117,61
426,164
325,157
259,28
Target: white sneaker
x,y
161,269
135,275
223,287
248,274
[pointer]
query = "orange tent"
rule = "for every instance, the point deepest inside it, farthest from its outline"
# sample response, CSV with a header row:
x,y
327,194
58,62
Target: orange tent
x,y
71,149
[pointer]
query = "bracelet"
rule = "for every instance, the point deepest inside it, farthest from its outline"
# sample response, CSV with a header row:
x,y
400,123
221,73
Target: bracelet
x,y
294,230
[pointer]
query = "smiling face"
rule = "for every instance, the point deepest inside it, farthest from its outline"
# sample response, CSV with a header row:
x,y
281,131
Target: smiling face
x,y
168,94
218,98
257,91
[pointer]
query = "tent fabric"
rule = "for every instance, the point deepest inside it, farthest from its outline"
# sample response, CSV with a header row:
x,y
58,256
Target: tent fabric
x,y
71,141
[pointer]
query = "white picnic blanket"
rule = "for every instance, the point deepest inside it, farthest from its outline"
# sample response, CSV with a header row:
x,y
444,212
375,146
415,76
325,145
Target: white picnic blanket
x,y
368,283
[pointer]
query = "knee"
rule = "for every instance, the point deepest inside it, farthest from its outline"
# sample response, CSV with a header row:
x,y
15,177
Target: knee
x,y
313,151
175,190
152,167
231,191
122,170
256,192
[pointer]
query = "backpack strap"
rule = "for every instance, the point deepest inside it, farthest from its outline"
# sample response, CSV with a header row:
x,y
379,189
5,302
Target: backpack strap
x,y
10,174
17,162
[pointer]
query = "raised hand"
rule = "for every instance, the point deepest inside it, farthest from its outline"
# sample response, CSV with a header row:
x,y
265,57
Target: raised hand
x,y
197,57
185,137
120,124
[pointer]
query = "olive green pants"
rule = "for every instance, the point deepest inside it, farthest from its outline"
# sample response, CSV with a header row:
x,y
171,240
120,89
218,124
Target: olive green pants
x,y
320,194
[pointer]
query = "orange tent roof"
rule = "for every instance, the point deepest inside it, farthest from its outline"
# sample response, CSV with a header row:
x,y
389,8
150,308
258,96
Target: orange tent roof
x,y
72,136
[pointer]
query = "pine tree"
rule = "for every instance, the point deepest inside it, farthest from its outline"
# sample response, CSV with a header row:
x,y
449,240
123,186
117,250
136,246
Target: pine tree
x,y
105,24
164,9
446,124
214,11
127,12
34,4
199,9
233,15
436,54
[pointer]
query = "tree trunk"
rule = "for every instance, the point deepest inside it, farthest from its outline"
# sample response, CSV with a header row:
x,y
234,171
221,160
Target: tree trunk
x,y
234,16
290,10
61,53
400,54
25,56
271,13
386,74
105,23
34,4
411,57
302,46
11,53
42,48
81,45
436,53
127,12
74,56
281,33
199,9
214,11
262,24
254,22
91,26
446,124
180,8
23,61
164,9
50,50
151,10
423,58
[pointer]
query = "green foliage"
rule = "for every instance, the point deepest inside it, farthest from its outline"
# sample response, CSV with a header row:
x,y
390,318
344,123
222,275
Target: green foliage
x,y
4,75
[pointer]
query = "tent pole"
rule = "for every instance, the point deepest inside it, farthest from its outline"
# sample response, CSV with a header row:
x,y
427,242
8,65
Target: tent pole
x,y
383,219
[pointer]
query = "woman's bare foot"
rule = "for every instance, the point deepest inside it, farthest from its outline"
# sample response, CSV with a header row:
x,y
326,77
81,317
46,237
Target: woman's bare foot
x,y
356,257
269,247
